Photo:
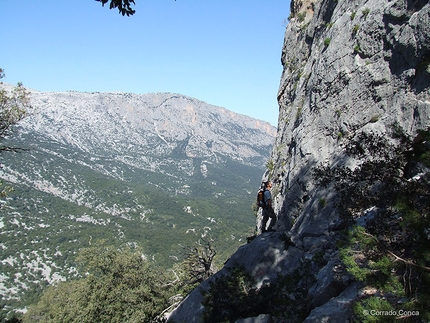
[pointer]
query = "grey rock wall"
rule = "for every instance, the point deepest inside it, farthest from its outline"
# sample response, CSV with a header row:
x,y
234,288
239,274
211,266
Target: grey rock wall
x,y
349,67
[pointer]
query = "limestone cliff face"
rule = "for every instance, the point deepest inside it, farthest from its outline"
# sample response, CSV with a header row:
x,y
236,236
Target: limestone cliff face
x,y
355,84
349,67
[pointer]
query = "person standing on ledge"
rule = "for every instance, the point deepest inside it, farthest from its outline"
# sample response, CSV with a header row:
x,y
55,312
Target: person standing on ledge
x,y
268,211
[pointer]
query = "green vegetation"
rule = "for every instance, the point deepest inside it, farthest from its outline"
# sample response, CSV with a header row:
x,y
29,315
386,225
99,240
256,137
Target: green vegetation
x,y
234,296
390,251
326,42
355,28
402,284
357,49
322,202
231,297
161,233
14,106
119,285
299,112
365,260
370,305
124,6
158,213
420,148
424,65
280,148
270,165
365,12
301,16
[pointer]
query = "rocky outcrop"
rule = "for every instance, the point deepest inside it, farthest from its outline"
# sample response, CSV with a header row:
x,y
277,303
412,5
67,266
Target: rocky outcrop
x,y
355,86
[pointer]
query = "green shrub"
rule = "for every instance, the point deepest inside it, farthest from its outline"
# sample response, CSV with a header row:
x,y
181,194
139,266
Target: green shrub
x,y
421,147
322,202
270,165
370,310
301,16
357,49
352,251
118,286
391,254
299,113
230,297
234,296
355,28
411,217
365,12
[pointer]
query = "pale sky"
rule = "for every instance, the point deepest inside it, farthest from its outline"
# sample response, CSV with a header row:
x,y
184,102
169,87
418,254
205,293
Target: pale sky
x,y
224,52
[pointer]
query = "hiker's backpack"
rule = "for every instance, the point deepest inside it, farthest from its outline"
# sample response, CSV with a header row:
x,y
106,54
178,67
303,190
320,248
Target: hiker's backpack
x,y
260,197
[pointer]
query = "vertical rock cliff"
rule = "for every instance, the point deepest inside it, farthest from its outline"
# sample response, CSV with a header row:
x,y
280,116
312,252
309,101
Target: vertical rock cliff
x,y
353,133
350,67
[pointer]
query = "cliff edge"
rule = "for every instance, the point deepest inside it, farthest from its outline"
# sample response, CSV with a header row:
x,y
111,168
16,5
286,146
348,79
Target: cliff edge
x,y
350,166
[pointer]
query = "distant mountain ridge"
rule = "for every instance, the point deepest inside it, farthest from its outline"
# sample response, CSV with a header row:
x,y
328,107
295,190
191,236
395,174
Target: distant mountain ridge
x,y
174,122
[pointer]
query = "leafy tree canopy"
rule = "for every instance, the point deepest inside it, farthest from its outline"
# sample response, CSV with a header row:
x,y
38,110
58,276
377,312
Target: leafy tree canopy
x,y
124,6
120,285
14,106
